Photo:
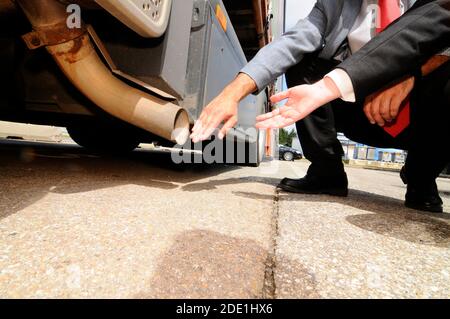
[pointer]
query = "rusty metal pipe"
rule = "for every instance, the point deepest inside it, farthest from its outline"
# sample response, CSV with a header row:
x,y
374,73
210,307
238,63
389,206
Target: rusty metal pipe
x,y
259,19
43,13
81,64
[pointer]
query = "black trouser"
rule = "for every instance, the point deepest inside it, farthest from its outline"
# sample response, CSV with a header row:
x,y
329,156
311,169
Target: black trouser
x,y
427,140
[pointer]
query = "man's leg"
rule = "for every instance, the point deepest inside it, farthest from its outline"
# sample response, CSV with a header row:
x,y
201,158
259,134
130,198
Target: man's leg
x,y
318,137
426,139
430,153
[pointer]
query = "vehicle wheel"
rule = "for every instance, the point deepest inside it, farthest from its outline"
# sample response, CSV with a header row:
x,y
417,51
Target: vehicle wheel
x,y
257,150
288,156
254,152
104,138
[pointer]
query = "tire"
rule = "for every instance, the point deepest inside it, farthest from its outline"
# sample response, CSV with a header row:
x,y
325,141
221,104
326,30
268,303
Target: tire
x,y
104,138
254,152
288,157
257,150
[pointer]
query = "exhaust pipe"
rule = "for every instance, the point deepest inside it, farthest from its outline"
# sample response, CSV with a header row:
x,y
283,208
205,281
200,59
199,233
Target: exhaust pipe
x,y
82,65
75,55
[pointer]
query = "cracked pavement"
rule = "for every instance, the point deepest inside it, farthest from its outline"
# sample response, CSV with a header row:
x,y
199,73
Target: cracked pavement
x,y
75,225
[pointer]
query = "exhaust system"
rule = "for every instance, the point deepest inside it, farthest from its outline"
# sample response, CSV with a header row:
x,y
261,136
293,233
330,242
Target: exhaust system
x,y
74,53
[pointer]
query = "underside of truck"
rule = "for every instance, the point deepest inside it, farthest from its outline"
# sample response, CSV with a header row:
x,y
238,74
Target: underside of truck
x,y
129,71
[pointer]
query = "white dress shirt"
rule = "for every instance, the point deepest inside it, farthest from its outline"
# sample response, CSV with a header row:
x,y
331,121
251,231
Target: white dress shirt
x,y
361,33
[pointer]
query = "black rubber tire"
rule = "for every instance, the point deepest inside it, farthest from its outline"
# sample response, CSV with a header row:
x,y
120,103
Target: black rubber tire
x,y
254,152
104,138
288,157
259,151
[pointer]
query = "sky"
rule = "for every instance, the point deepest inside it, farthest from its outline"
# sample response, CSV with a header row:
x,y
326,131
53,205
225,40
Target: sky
x,y
297,9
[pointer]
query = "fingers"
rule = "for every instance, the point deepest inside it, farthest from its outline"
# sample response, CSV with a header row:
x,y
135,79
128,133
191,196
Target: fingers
x,y
278,121
218,111
200,120
211,125
200,123
286,116
269,115
375,111
278,111
372,110
228,126
280,97
198,128
385,108
206,125
395,107
292,114
368,111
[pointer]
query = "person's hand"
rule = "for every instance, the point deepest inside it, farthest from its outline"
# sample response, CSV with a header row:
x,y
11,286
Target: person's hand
x,y
302,100
383,107
223,109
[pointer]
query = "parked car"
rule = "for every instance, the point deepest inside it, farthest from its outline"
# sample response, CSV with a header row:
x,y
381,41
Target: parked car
x,y
290,154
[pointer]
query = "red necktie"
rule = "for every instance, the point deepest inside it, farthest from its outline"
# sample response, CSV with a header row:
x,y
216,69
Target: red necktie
x,y
389,12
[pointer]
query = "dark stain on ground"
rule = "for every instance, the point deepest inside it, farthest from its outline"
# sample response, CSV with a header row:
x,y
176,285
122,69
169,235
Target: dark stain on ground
x,y
204,264
413,228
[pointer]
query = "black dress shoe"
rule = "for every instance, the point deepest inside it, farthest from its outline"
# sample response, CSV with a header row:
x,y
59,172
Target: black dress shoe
x,y
424,198
330,185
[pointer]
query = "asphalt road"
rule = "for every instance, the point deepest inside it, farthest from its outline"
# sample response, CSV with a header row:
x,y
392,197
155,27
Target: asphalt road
x,y
74,224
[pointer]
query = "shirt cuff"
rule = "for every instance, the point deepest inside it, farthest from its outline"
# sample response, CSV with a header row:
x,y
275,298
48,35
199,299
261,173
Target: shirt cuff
x,y
344,84
446,52
254,71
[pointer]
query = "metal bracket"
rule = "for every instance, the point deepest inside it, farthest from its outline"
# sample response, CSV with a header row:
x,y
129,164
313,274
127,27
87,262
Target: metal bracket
x,y
52,35
33,40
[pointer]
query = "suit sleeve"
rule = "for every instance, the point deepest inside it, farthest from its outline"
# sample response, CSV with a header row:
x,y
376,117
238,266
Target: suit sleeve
x,y
277,57
401,49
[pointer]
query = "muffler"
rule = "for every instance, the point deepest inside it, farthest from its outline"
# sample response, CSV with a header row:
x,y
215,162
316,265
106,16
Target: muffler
x,y
74,53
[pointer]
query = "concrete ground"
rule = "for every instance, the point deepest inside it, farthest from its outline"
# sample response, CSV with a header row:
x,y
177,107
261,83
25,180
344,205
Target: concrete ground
x,y
73,224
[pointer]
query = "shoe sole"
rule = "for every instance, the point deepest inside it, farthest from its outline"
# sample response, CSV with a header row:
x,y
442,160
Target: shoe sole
x,y
430,209
332,192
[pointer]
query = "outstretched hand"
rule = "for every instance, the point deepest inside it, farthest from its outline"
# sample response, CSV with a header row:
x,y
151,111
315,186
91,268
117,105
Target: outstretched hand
x,y
223,109
301,101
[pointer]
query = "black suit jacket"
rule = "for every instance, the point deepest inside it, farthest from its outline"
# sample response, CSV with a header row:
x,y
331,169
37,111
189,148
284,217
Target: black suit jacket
x,y
401,49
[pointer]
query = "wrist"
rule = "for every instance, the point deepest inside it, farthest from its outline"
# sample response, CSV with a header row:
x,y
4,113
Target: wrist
x,y
433,63
327,90
232,93
340,79
242,86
